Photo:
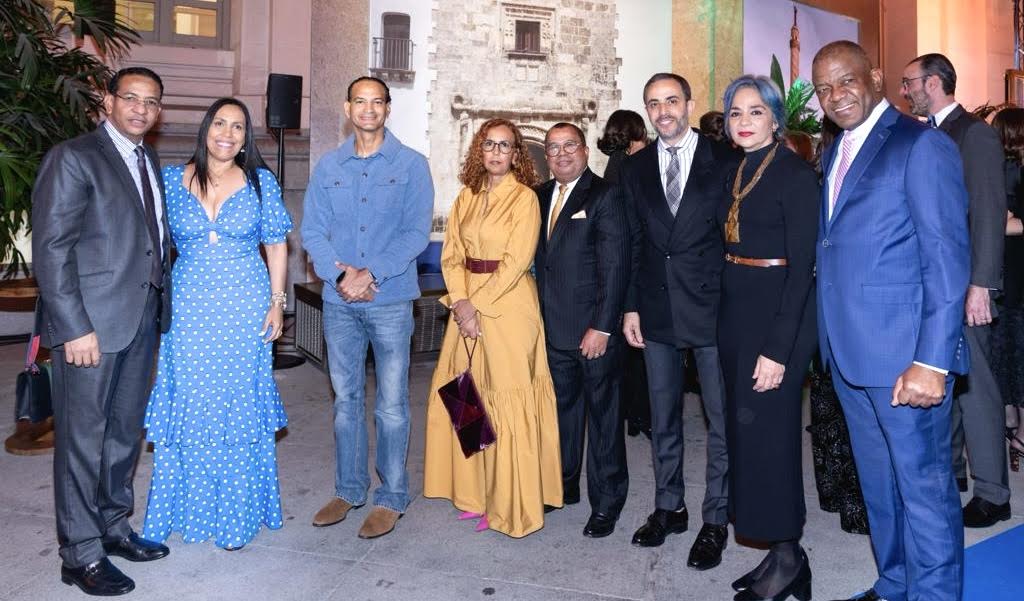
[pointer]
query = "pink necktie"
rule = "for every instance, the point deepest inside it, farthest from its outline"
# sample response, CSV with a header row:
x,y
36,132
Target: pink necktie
x,y
844,165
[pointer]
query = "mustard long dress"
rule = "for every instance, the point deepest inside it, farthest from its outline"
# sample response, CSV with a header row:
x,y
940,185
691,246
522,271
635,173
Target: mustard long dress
x,y
514,478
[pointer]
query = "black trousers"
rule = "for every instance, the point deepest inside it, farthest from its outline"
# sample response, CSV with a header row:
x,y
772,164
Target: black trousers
x,y
589,411
98,415
665,372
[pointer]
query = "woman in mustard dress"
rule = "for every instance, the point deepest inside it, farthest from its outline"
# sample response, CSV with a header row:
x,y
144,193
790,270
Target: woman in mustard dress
x,y
492,233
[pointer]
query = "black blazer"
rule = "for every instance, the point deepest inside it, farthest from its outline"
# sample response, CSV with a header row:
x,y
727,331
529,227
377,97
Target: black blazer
x,y
90,246
582,271
677,263
982,155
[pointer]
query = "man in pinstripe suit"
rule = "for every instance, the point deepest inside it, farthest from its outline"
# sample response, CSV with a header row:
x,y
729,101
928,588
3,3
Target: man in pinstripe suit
x,y
582,265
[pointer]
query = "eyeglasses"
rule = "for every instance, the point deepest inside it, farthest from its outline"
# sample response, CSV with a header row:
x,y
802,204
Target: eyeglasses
x,y
553,150
150,104
905,82
504,147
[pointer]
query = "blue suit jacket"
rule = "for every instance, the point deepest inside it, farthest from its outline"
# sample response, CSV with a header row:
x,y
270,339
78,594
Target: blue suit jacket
x,y
894,259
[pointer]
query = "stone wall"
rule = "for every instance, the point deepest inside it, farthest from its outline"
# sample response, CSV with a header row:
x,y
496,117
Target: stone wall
x,y
568,74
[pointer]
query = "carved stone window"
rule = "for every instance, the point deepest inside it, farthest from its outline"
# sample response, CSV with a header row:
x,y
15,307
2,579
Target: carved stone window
x,y
527,31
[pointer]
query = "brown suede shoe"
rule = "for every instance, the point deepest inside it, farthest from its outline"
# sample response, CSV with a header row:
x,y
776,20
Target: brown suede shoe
x,y
333,512
380,521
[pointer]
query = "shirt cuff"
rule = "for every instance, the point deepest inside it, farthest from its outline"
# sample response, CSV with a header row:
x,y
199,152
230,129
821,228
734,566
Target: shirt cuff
x,y
944,372
605,333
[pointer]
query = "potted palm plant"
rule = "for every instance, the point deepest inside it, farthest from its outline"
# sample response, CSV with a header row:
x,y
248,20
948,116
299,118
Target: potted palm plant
x,y
50,91
799,116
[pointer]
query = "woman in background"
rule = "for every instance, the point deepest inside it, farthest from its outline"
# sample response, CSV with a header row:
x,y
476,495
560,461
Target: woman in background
x,y
488,249
215,406
624,134
1008,332
767,335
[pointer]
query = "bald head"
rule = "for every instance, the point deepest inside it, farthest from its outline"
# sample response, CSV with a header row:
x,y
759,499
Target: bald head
x,y
848,88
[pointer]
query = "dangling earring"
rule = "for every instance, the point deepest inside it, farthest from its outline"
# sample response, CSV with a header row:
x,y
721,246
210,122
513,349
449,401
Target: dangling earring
x,y
242,151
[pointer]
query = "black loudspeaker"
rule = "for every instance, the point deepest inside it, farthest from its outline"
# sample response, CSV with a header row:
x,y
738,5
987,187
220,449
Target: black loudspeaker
x,y
284,101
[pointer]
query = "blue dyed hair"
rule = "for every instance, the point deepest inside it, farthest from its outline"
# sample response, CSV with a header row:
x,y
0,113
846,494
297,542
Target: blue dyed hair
x,y
769,94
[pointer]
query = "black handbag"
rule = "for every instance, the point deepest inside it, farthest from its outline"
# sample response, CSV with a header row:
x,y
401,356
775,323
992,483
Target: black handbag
x,y
33,402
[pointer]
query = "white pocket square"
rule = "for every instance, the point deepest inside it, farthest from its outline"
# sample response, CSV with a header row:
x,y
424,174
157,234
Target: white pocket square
x,y
581,214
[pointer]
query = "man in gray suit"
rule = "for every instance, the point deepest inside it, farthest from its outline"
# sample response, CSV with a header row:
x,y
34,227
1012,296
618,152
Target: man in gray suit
x,y
928,85
101,250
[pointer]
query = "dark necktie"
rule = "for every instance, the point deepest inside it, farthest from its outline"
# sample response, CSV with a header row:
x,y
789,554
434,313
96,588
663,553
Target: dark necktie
x,y
931,121
156,274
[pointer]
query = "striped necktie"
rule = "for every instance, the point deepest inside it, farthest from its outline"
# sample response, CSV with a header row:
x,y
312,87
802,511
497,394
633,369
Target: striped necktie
x,y
844,166
673,181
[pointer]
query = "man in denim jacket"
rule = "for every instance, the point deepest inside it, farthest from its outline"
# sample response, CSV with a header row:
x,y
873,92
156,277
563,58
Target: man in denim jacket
x,y
367,216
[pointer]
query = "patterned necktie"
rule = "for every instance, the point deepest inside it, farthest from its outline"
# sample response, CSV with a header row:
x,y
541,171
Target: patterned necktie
x,y
156,275
673,183
558,209
932,122
844,165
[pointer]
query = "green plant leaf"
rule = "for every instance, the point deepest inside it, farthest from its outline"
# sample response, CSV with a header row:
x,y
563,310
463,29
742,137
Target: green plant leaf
x,y
776,76
50,91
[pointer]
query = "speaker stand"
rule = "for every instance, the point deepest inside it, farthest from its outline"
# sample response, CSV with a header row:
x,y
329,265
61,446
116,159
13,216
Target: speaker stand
x,y
283,360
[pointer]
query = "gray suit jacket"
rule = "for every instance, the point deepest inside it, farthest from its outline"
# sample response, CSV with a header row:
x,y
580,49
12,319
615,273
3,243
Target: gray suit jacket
x,y
90,246
982,155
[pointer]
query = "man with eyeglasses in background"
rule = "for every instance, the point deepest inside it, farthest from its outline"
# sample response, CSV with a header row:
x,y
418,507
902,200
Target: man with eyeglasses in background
x,y
101,252
673,189
582,263
928,86
366,218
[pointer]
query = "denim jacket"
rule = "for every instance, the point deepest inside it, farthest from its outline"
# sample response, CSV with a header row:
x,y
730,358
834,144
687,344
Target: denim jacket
x,y
372,212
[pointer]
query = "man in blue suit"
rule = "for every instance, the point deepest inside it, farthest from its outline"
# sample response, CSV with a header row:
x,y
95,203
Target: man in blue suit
x,y
893,269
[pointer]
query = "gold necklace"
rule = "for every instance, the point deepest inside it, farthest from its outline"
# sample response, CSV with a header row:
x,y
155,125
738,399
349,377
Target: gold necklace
x,y
732,223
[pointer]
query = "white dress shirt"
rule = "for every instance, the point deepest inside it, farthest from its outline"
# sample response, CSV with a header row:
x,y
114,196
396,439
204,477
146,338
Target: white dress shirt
x,y
858,134
942,114
684,150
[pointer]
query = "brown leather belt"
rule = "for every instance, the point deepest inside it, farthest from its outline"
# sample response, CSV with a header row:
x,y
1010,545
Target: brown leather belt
x,y
754,262
481,265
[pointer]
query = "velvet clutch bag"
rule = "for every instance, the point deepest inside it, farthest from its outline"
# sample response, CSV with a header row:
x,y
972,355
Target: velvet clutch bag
x,y
465,408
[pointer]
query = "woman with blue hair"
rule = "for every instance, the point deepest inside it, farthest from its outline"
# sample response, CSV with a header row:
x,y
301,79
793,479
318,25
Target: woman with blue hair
x,y
767,335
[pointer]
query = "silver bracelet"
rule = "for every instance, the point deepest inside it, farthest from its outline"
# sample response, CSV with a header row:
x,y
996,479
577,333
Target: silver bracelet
x,y
278,299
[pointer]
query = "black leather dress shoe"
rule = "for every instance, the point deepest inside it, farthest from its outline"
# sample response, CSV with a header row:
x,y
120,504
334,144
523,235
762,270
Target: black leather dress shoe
x,y
869,595
599,525
100,578
979,513
135,548
660,524
706,552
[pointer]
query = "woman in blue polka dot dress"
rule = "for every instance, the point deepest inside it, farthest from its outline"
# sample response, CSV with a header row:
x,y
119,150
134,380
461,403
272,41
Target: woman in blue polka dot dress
x,y
215,406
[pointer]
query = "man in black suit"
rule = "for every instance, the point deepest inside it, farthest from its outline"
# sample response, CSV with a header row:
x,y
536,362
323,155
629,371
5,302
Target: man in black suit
x,y
929,85
673,188
101,250
582,264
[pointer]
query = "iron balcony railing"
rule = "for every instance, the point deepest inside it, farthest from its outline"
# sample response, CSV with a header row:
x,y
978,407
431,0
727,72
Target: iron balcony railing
x,y
392,54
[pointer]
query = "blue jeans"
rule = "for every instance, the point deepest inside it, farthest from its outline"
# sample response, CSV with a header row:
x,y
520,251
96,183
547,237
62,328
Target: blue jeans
x,y
347,330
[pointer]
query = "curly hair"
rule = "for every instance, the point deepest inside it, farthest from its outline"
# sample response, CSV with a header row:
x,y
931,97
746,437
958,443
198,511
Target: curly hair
x,y
474,174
